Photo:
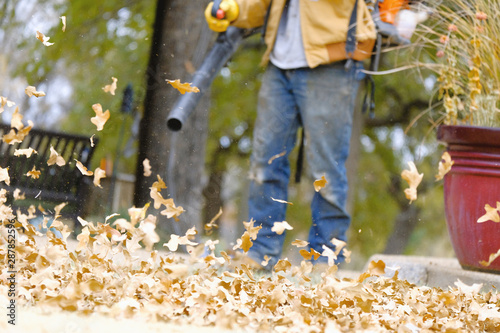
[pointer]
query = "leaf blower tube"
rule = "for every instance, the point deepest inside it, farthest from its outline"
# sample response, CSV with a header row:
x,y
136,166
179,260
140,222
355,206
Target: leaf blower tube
x,y
225,46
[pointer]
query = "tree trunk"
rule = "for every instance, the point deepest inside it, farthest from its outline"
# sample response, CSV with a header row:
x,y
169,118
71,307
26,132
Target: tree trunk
x,y
180,40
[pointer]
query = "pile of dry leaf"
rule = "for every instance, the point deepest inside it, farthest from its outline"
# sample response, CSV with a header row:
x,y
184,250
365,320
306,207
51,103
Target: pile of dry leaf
x,y
104,274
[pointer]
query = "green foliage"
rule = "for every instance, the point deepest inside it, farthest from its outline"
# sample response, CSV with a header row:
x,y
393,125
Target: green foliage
x,y
102,40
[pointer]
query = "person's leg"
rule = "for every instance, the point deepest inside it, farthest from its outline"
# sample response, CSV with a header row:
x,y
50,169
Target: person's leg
x,y
326,104
273,139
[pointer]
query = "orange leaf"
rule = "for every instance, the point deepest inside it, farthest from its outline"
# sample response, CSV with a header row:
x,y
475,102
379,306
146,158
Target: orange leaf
x,y
320,183
182,87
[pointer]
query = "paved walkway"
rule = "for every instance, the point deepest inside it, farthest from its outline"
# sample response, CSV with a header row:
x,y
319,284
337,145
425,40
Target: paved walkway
x,y
435,272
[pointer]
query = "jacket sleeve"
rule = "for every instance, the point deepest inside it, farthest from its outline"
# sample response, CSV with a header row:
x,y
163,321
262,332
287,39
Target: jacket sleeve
x,y
252,13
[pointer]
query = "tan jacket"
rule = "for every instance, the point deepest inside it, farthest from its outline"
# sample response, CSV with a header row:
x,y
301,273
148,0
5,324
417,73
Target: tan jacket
x,y
324,27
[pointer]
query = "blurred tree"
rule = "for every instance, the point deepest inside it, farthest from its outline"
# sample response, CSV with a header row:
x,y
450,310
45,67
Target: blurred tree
x,y
180,39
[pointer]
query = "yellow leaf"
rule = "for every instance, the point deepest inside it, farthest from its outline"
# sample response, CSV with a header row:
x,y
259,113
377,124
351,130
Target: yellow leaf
x,y
493,256
280,227
444,165
45,40
413,178
491,214
320,183
101,117
83,169
31,91
54,158
98,175
34,173
182,87
111,88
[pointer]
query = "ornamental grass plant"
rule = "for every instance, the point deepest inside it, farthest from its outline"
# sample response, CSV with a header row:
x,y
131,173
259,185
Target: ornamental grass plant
x,y
461,45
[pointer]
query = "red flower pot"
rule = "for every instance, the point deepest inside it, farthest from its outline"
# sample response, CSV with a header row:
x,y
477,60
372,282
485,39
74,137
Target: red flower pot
x,y
473,182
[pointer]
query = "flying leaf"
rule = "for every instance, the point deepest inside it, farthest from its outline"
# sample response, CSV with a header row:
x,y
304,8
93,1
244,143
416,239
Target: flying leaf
x,y
413,178
282,201
182,87
280,227
147,167
83,169
101,117
376,267
17,120
320,183
4,101
92,144
98,175
111,88
246,242
307,255
25,152
63,20
300,243
491,214
18,195
282,265
444,165
493,256
211,225
41,37
54,158
4,175
31,91
276,156
330,254
34,173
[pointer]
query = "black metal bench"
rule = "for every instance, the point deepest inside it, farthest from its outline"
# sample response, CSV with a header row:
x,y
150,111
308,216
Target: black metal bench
x,y
56,184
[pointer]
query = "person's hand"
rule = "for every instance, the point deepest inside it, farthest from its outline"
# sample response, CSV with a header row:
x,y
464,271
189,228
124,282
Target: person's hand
x,y
228,12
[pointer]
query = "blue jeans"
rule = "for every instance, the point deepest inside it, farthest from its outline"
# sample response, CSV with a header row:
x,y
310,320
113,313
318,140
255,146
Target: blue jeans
x,y
321,100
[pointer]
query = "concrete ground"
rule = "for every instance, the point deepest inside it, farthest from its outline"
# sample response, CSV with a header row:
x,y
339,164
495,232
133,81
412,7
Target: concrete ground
x,y
435,272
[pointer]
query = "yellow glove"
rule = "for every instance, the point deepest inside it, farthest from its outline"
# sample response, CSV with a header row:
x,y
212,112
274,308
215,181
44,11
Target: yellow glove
x,y
228,12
